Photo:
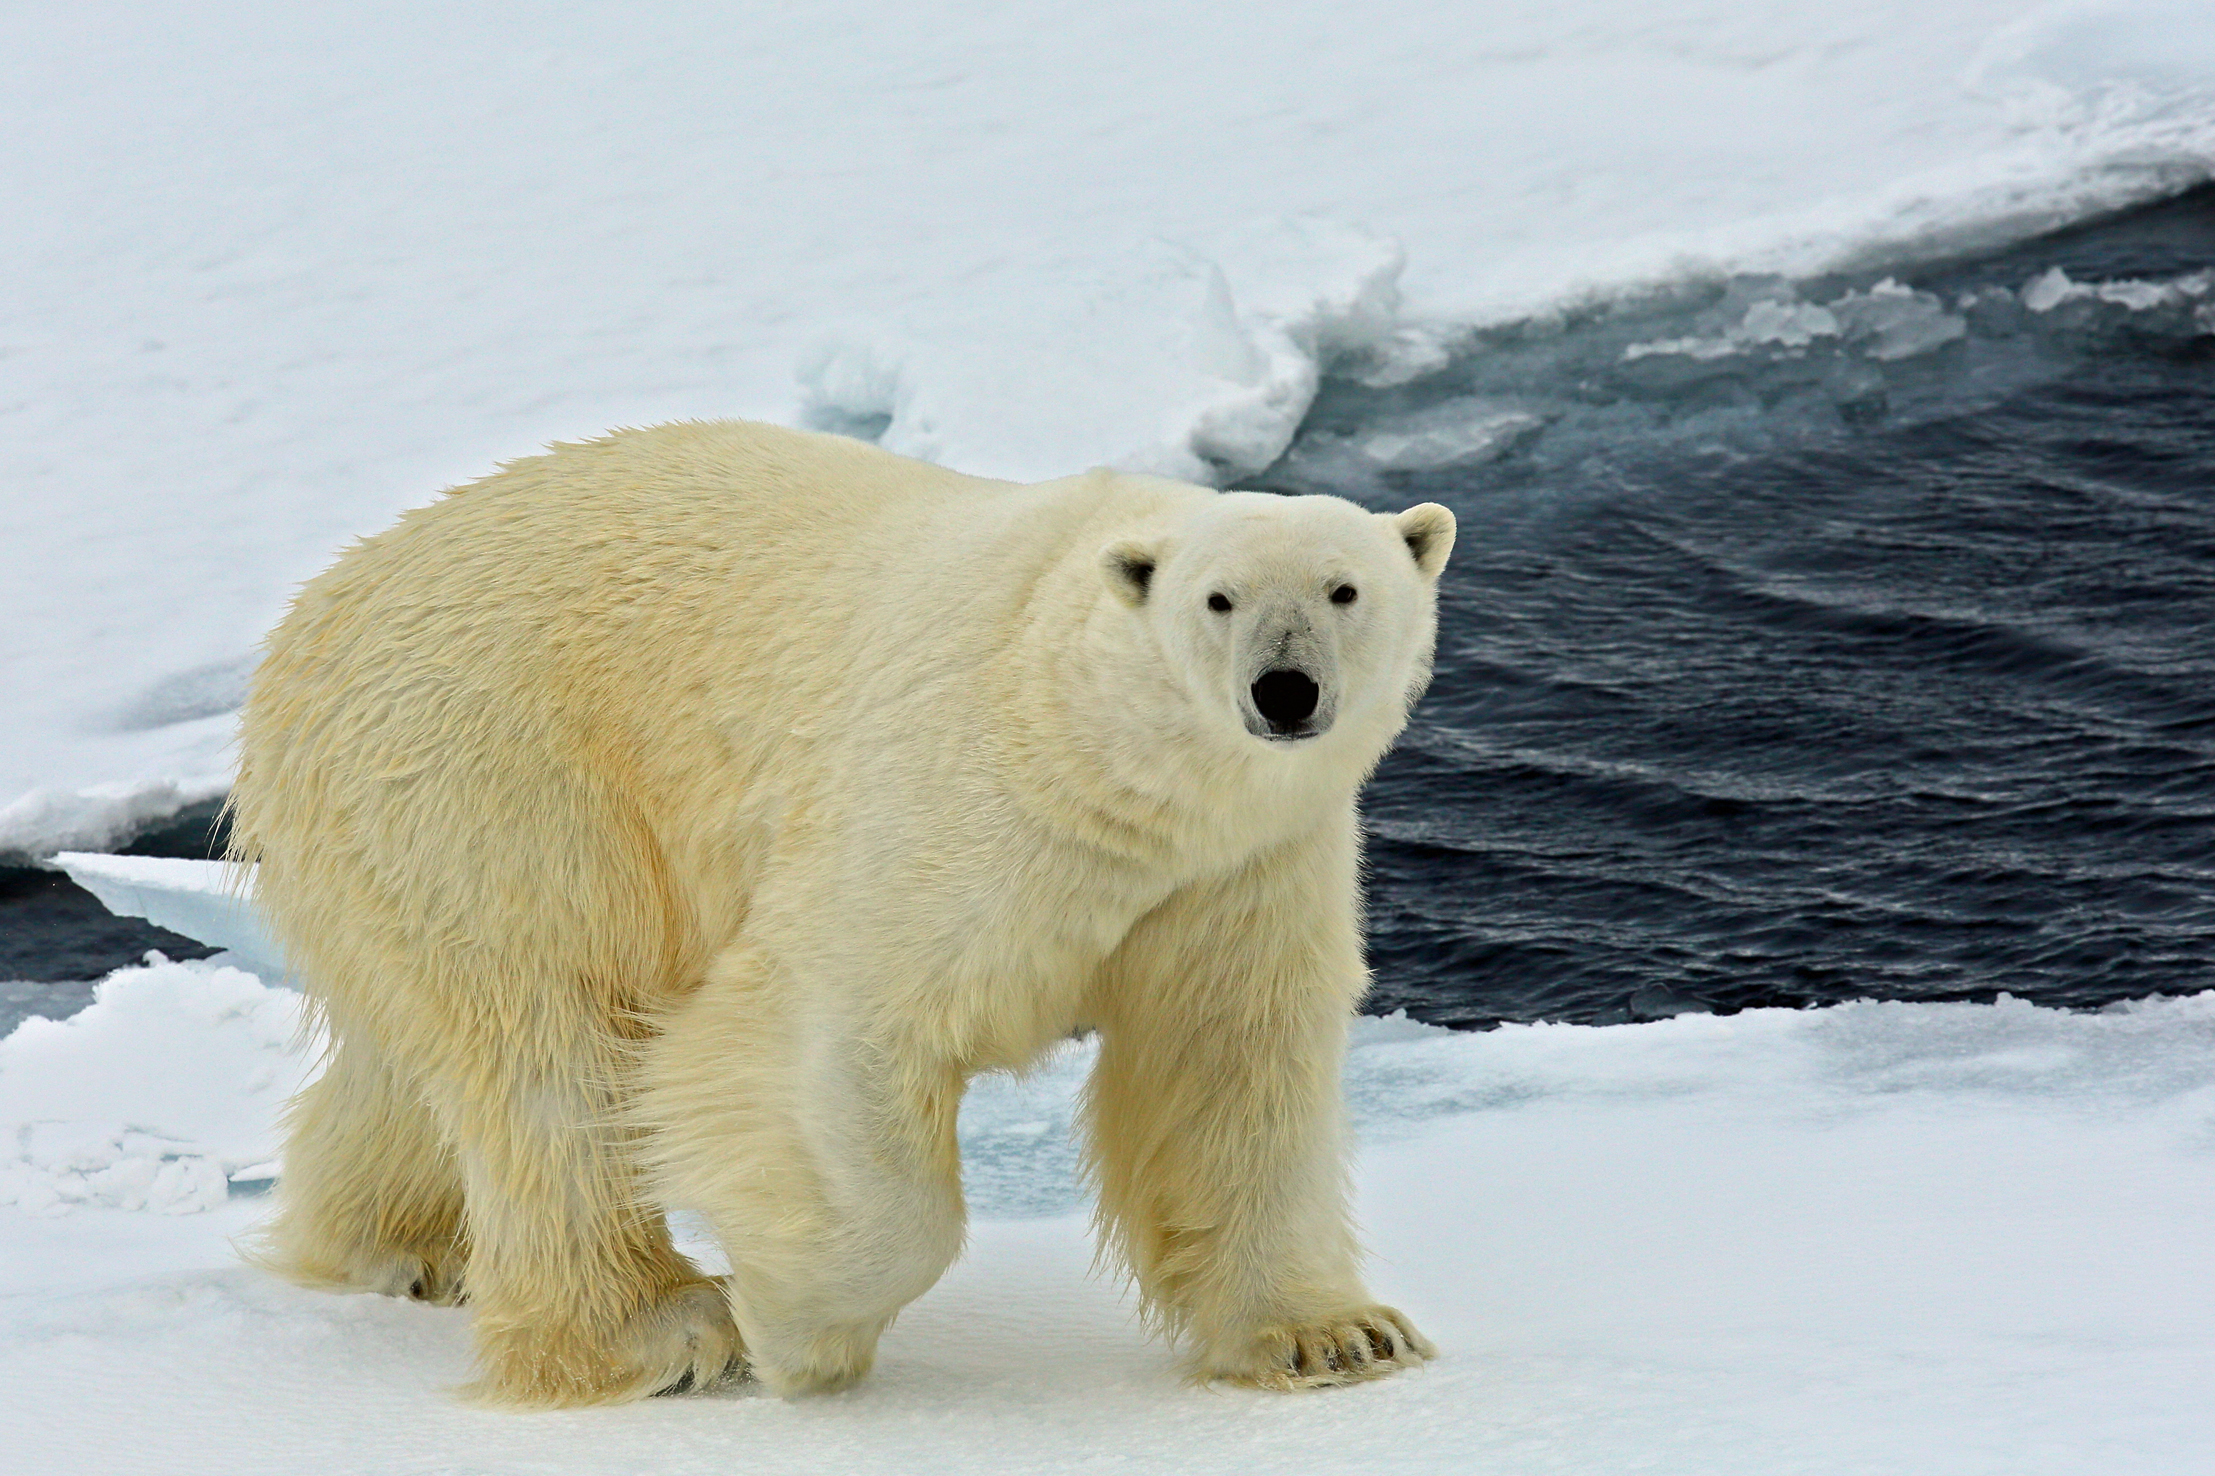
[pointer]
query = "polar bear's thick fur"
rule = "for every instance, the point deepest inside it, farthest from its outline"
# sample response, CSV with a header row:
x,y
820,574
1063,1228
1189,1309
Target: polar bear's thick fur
x,y
682,818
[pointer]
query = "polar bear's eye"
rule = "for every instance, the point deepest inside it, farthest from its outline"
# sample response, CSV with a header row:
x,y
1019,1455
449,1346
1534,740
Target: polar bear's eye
x,y
1219,603
1343,595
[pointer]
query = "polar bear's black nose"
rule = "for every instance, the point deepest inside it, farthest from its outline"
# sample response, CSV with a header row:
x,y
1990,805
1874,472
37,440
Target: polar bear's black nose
x,y
1286,698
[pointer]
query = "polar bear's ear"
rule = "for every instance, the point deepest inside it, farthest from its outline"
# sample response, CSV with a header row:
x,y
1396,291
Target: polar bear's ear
x,y
1429,532
1129,568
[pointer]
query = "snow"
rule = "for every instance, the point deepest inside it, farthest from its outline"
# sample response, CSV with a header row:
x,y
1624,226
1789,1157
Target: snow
x,y
2052,288
151,1097
1873,1238
277,272
1888,321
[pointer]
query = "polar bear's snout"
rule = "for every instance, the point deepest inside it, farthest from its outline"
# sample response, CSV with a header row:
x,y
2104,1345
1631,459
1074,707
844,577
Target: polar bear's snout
x,y
1285,699
1289,688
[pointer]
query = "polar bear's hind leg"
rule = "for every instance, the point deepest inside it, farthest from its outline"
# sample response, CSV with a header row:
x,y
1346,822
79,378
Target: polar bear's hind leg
x,y
371,1198
580,1296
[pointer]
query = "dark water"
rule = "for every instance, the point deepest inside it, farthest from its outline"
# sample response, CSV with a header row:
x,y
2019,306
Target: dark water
x,y
1804,642
56,938
1862,666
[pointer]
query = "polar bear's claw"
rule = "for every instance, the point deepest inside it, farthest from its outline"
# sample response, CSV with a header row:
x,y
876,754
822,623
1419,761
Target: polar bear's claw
x,y
1373,1343
696,1380
439,1284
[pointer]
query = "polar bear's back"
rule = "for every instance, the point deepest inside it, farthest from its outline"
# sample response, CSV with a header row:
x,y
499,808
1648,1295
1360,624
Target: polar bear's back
x,y
531,727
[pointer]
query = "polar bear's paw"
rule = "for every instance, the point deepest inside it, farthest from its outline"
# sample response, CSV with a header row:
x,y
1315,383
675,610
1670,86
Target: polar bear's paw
x,y
1362,1343
822,1361
681,1342
688,1343
433,1275
435,1279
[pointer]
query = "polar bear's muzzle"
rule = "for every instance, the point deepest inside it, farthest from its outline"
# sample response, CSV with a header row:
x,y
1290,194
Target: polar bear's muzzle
x,y
1285,703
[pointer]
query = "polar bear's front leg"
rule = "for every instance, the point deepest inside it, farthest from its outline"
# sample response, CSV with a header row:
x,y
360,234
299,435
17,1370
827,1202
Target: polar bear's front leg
x,y
1217,1127
828,1167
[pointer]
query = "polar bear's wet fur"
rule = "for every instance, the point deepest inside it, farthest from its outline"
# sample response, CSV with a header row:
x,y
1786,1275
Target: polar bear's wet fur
x,y
680,819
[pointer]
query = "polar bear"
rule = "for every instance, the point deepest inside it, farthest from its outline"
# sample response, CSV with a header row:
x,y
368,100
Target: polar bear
x,y
680,819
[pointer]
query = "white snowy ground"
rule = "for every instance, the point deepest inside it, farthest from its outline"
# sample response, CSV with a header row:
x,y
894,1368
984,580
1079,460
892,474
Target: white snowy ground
x,y
274,271
1877,1239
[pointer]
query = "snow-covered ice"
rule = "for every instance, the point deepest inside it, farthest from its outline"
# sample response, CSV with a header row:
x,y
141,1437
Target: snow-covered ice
x,y
153,1096
1874,1238
206,901
277,271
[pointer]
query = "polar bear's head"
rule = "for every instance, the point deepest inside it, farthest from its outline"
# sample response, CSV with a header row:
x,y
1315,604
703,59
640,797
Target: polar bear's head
x,y
1288,617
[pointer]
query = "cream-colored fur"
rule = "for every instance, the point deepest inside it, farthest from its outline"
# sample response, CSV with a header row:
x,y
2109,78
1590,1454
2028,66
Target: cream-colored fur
x,y
682,818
